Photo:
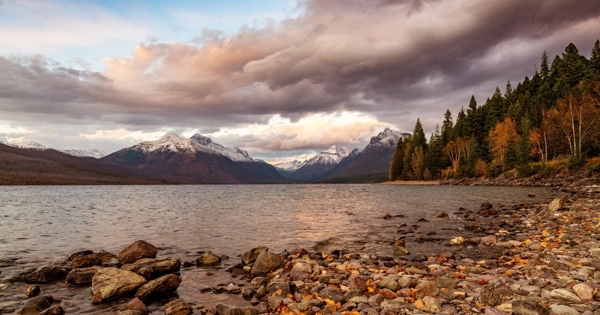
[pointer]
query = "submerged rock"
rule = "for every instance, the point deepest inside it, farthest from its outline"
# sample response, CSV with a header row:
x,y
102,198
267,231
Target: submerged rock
x,y
82,276
150,268
45,274
178,307
208,259
136,251
37,304
109,283
161,287
33,290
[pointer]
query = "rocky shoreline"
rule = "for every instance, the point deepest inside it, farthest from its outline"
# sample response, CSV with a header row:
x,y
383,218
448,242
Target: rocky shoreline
x,y
525,259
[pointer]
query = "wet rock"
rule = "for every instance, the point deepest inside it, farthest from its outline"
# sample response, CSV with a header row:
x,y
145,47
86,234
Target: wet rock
x,y
584,291
109,283
208,259
129,312
442,214
150,268
223,309
79,253
489,296
249,291
357,283
33,290
82,276
387,216
84,261
266,262
37,304
178,307
137,305
486,206
426,288
401,251
160,287
136,251
332,294
565,295
45,274
457,240
524,307
250,256
563,310
54,310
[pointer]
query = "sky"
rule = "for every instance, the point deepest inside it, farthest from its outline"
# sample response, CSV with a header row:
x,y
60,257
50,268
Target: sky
x,y
283,79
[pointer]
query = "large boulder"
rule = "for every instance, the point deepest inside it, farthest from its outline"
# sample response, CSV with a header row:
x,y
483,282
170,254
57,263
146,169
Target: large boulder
x,y
84,261
250,256
44,274
208,259
82,276
153,268
265,263
109,283
136,251
161,287
178,307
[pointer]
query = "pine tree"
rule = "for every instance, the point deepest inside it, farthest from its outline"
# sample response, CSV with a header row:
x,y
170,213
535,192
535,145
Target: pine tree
x,y
434,162
524,148
397,164
594,63
418,139
447,127
459,127
572,70
544,70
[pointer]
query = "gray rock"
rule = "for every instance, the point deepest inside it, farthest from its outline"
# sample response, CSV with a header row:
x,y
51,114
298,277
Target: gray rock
x,y
523,307
178,307
136,251
265,263
151,268
160,287
332,294
387,282
376,300
208,259
109,283
251,255
565,295
82,276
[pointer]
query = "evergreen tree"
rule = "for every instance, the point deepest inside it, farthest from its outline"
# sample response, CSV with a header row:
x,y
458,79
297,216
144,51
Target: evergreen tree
x,y
544,70
524,147
572,70
447,127
495,107
459,127
418,138
594,63
397,164
434,162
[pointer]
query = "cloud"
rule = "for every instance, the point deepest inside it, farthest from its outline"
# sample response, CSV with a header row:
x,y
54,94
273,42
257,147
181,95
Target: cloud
x,y
389,60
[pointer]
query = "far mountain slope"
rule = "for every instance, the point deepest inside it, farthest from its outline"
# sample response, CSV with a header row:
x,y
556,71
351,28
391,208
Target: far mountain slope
x,y
320,163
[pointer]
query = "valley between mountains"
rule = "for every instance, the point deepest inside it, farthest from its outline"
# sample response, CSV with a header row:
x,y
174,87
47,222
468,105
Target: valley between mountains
x,y
196,160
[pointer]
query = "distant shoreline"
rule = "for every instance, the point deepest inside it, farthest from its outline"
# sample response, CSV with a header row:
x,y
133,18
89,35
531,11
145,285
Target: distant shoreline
x,y
411,182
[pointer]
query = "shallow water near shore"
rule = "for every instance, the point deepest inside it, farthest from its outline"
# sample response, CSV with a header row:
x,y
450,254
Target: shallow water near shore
x,y
43,224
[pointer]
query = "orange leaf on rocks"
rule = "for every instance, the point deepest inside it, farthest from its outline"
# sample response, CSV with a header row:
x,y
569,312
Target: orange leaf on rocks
x,y
289,295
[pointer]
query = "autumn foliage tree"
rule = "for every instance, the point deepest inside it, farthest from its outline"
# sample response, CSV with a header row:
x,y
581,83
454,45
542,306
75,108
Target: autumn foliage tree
x,y
502,138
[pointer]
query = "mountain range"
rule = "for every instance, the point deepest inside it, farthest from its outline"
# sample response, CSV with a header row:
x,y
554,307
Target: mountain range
x,y
199,160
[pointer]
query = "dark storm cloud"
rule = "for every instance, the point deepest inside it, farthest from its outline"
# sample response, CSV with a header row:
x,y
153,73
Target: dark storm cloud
x,y
395,59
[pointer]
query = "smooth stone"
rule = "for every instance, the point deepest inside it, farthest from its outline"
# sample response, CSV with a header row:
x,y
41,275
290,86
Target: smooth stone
x,y
266,262
33,290
584,291
407,282
151,268
37,304
375,300
356,282
110,283
563,310
82,276
178,307
136,251
208,259
137,305
251,255
302,267
523,307
223,309
160,287
387,283
565,295
332,294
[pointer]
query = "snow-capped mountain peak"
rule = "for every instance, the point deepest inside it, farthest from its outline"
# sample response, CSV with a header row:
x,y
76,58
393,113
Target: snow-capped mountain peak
x,y
290,166
95,153
28,145
170,142
206,144
388,137
342,151
331,156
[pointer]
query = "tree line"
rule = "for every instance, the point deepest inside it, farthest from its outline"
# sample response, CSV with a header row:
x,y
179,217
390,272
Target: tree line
x,y
554,114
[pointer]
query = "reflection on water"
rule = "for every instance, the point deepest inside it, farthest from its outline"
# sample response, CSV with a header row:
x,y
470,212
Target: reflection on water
x,y
53,221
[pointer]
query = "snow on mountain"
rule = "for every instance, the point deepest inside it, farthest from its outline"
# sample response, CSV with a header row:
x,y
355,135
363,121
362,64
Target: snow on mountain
x,y
385,139
331,156
28,145
235,154
290,166
95,153
170,142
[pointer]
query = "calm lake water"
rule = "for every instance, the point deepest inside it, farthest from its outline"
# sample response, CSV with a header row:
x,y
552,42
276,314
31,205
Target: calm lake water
x,y
42,224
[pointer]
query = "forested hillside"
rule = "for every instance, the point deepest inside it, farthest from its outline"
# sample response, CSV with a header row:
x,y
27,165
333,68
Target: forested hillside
x,y
519,131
